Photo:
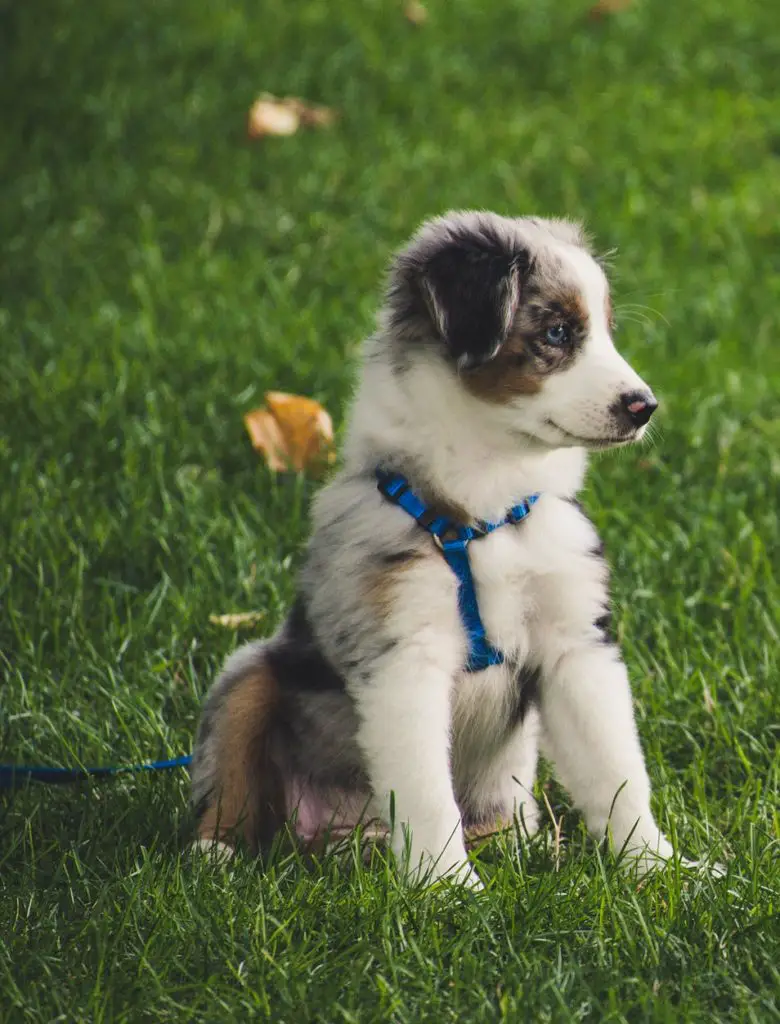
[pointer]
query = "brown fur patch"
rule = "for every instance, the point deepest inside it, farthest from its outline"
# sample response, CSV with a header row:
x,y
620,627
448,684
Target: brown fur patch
x,y
452,511
514,371
479,833
248,796
525,360
571,306
381,582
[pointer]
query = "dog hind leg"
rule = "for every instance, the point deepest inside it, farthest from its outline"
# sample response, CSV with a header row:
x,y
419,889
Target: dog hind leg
x,y
500,788
237,789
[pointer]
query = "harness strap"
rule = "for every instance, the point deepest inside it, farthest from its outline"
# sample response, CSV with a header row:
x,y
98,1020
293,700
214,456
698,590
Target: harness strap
x,y
453,540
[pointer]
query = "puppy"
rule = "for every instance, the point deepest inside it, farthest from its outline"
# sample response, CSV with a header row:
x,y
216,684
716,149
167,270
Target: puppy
x,y
411,685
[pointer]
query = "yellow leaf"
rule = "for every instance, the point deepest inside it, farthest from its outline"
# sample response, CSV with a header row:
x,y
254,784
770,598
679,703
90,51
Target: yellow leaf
x,y
415,12
293,432
269,115
267,439
237,620
317,117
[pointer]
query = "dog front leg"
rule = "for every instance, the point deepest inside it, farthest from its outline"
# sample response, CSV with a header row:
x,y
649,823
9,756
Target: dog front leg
x,y
588,721
404,710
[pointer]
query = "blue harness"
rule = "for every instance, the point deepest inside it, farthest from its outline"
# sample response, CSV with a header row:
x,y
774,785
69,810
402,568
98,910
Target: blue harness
x,y
453,541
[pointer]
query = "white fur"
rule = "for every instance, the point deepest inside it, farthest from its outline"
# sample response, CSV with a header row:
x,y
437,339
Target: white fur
x,y
539,594
425,721
220,852
579,400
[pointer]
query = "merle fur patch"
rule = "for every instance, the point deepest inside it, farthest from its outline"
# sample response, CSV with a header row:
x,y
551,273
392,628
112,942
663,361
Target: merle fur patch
x,y
460,283
525,694
297,659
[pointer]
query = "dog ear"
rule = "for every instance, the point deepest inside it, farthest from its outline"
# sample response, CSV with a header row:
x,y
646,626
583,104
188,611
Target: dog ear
x,y
472,292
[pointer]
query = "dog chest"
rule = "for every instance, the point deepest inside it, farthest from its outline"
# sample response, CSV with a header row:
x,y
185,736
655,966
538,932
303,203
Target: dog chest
x,y
541,579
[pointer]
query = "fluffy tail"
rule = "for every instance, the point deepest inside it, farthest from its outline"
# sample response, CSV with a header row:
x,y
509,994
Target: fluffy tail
x,y
237,790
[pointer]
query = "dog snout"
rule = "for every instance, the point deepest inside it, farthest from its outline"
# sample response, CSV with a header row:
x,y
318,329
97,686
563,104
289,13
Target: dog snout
x,y
636,407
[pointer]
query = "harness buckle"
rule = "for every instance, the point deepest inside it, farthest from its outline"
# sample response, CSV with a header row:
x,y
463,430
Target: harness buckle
x,y
450,538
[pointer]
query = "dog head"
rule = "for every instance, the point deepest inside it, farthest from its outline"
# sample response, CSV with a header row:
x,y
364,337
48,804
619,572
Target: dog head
x,y
520,311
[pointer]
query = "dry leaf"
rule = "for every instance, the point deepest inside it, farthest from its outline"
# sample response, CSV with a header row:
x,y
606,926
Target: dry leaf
x,y
306,426
415,12
271,116
293,432
267,438
317,117
709,703
604,8
237,620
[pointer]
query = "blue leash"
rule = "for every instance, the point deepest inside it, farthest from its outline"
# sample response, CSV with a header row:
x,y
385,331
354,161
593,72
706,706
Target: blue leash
x,y
14,774
453,541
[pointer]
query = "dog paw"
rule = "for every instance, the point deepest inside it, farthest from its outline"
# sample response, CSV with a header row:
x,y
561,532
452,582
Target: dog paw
x,y
704,867
463,877
655,854
451,866
468,878
219,852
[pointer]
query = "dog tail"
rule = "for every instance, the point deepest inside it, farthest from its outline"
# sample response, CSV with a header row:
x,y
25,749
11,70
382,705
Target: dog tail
x,y
237,788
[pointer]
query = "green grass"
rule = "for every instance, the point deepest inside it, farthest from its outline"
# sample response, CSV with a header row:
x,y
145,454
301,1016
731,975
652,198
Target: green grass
x,y
159,273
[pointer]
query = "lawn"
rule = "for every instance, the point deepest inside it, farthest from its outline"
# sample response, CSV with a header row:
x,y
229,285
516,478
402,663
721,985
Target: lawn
x,y
159,273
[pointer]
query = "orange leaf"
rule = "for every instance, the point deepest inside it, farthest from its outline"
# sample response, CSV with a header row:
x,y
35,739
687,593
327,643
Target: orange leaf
x,y
604,8
306,427
267,439
294,432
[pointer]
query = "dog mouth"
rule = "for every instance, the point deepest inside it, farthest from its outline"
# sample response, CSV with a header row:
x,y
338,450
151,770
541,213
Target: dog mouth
x,y
595,442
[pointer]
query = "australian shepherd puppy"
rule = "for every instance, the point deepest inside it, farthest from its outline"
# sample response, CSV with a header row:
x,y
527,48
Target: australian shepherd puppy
x,y
490,376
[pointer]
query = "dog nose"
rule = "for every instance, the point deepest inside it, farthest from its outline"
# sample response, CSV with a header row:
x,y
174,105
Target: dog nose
x,y
640,406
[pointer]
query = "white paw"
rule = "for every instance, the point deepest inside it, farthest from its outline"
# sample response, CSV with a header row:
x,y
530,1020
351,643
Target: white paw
x,y
711,868
644,857
467,877
451,865
528,816
464,876
221,853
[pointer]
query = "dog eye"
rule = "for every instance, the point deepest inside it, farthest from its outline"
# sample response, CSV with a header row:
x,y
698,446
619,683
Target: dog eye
x,y
558,334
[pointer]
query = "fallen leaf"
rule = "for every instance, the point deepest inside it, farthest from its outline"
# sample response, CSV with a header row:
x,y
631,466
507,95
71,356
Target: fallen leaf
x,y
604,8
293,432
237,619
415,12
306,426
709,703
317,117
269,115
267,438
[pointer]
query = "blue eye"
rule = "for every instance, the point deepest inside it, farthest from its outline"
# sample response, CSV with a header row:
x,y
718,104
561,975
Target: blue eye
x,y
557,335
